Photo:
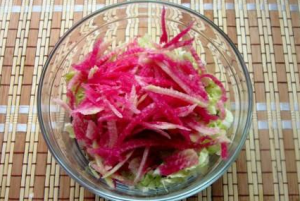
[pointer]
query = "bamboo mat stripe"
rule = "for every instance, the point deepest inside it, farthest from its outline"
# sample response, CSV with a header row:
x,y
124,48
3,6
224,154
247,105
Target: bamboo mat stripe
x,y
261,125
283,106
267,33
206,6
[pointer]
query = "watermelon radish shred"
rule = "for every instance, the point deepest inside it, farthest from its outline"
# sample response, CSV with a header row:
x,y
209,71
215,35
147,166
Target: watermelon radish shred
x,y
147,114
178,161
164,36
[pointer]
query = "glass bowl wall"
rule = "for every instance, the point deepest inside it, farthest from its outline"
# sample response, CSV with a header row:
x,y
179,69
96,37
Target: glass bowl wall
x,y
119,24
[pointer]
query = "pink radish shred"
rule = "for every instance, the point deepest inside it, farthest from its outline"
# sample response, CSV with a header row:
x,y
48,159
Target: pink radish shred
x,y
142,165
126,101
164,36
178,161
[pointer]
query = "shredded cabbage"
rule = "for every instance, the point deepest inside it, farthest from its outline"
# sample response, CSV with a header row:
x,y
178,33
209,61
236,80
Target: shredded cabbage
x,y
69,75
69,129
145,41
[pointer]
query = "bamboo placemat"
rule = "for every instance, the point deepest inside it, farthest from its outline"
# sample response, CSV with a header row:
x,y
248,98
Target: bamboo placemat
x,y
267,32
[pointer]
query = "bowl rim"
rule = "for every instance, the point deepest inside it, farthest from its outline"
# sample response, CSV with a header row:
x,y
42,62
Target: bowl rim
x,y
183,194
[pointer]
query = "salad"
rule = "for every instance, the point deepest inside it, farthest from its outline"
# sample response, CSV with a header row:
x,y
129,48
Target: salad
x,y
147,114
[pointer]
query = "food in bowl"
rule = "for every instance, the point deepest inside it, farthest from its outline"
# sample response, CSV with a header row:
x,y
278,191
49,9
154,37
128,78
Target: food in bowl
x,y
147,114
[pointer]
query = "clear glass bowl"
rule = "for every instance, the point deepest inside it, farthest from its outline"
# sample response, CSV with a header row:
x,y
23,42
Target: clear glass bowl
x,y
119,23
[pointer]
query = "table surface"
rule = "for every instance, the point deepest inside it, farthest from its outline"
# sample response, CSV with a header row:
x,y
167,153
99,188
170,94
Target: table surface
x,y
267,33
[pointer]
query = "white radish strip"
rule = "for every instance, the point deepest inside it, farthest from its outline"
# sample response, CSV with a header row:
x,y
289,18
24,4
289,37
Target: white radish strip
x,y
175,94
185,111
118,166
107,167
92,72
143,97
134,109
97,169
145,156
203,129
134,70
133,96
150,126
113,109
110,182
124,180
139,80
89,110
118,177
176,79
223,138
133,101
91,130
105,117
100,164
62,104
167,126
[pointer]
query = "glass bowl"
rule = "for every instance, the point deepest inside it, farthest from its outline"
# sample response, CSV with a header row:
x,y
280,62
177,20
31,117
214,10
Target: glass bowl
x,y
120,23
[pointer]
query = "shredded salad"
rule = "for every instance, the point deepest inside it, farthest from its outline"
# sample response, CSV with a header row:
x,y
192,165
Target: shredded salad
x,y
147,114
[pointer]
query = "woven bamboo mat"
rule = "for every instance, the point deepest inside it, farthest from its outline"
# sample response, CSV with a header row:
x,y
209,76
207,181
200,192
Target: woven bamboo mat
x,y
267,32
